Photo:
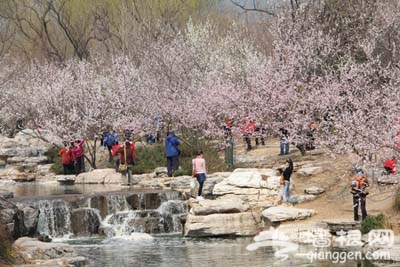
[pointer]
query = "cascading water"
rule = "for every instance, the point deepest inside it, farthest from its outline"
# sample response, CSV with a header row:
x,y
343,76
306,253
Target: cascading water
x,y
166,219
112,214
54,218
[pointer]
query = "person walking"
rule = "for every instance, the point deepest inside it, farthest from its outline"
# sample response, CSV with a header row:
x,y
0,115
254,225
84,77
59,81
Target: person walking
x,y
172,153
287,173
199,172
67,158
359,190
127,158
283,141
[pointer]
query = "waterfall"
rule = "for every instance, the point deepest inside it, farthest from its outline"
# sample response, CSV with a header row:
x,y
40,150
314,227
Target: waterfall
x,y
117,203
166,219
173,212
54,218
112,214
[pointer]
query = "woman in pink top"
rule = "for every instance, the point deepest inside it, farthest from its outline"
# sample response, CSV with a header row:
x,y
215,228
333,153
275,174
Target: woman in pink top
x,y
199,166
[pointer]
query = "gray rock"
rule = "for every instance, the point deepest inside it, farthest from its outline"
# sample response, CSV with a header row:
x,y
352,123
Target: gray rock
x,y
160,171
253,178
227,224
302,198
314,190
206,207
280,214
33,249
308,171
389,179
335,226
6,195
100,176
30,219
85,222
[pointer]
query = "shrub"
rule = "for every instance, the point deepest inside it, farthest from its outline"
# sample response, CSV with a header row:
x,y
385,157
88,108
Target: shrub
x,y
52,154
52,157
375,222
149,157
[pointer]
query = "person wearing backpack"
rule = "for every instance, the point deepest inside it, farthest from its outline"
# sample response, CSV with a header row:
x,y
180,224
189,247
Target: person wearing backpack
x,y
359,190
109,140
127,158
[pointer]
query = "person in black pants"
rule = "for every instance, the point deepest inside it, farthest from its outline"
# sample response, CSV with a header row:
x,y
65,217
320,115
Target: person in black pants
x,y
359,191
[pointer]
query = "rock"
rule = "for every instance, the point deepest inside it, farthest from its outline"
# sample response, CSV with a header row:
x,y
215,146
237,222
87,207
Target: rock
x,y
335,226
160,171
308,171
85,221
182,183
297,231
389,179
314,190
44,169
253,178
205,207
280,214
99,176
302,198
24,177
227,224
33,249
6,195
30,219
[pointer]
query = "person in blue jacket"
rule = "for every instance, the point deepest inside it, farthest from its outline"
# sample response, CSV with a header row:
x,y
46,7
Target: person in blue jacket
x,y
172,152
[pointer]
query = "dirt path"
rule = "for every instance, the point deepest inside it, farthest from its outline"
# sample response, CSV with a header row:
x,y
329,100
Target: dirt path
x,y
336,202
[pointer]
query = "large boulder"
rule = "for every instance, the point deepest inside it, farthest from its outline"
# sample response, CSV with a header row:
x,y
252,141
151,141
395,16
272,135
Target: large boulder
x,y
99,176
85,221
280,214
250,178
227,224
259,187
30,219
206,207
35,251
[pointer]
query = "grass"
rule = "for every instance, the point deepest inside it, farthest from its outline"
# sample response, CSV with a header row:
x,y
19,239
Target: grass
x,y
375,222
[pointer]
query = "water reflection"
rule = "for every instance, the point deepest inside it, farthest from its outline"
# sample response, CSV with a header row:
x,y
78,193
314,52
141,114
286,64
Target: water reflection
x,y
178,251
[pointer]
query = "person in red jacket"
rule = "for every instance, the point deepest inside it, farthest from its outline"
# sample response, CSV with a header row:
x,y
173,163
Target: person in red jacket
x,y
116,156
127,157
247,131
390,165
67,159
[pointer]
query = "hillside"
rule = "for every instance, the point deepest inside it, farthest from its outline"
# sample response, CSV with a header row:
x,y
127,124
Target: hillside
x,y
336,202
